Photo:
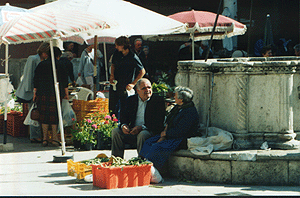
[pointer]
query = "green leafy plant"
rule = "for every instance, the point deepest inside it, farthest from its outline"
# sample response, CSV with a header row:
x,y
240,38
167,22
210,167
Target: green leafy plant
x,y
86,131
105,124
160,88
17,107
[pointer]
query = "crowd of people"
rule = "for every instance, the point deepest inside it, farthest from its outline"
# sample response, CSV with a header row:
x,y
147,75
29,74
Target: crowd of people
x,y
143,119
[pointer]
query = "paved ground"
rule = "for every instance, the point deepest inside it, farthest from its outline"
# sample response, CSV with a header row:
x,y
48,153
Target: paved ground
x,y
29,170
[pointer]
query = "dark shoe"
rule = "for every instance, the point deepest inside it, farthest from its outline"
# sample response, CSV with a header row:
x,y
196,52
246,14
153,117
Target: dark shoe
x,y
45,143
56,143
34,140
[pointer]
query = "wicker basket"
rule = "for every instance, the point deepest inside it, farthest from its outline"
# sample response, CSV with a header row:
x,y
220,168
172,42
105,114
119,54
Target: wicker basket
x,y
84,109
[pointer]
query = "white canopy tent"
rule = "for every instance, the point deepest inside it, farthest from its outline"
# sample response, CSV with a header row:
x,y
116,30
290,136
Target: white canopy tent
x,y
33,27
123,18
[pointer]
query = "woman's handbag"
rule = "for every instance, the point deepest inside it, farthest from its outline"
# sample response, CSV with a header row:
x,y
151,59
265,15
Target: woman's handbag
x,y
35,114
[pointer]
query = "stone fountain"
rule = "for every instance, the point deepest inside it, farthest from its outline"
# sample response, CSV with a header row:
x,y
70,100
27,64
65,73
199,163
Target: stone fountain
x,y
256,99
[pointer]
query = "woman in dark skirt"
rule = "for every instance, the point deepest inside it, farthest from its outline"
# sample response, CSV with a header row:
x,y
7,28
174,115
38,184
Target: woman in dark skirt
x,y
44,94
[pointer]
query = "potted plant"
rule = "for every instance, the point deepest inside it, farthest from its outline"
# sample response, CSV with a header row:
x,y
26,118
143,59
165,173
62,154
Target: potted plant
x,y
84,134
104,126
163,86
160,88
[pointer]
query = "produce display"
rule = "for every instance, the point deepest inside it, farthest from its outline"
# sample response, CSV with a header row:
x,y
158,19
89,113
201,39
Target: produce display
x,y
82,168
118,161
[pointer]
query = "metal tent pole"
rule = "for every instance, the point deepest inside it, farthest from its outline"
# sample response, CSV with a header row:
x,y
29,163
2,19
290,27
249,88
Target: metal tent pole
x,y
193,46
213,31
105,60
249,30
56,85
5,103
212,78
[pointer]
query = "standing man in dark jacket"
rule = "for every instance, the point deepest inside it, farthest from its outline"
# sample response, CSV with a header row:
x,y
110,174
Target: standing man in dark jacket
x,y
141,117
125,64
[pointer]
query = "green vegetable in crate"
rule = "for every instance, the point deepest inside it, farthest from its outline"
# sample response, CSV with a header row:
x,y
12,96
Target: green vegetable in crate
x,y
138,161
119,162
95,161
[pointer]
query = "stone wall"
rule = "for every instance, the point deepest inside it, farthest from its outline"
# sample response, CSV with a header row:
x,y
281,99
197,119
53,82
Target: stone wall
x,y
253,167
256,99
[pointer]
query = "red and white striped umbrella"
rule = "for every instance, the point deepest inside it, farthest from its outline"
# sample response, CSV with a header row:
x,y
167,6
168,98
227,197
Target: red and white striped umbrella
x,y
41,26
200,24
84,38
47,25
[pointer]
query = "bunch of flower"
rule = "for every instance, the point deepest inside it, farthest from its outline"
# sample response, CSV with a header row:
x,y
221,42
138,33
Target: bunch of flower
x,y
84,132
104,124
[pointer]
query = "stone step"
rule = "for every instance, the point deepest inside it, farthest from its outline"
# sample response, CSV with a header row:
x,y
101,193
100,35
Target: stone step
x,y
254,167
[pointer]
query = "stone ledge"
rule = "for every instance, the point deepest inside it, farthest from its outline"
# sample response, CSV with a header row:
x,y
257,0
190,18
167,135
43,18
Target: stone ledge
x,y
254,167
246,155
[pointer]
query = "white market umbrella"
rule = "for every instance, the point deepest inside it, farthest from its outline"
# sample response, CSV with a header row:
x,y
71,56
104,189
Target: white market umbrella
x,y
8,12
46,26
130,18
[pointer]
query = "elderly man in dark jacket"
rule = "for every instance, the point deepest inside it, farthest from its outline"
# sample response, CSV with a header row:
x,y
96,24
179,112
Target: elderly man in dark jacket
x,y
141,117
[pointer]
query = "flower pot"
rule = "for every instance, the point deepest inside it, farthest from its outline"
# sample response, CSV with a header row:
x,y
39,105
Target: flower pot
x,y
88,146
77,144
101,143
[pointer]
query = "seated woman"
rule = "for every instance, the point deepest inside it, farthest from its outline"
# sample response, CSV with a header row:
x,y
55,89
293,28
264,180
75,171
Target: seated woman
x,y
181,123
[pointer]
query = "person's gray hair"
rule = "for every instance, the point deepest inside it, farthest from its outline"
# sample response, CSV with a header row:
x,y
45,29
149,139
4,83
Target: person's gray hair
x,y
140,81
67,54
205,42
184,93
138,39
297,47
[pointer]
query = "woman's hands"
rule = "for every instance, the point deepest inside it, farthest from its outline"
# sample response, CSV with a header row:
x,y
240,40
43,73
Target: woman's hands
x,y
163,136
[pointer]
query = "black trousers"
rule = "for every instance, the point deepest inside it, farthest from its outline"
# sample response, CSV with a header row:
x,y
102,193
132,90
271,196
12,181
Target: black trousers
x,y
116,100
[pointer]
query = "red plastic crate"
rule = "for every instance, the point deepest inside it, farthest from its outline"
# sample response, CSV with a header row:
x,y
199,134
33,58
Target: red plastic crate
x,y
121,177
15,126
1,123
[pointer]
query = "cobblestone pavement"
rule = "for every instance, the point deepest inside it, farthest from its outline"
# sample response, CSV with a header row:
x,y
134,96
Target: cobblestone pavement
x,y
29,170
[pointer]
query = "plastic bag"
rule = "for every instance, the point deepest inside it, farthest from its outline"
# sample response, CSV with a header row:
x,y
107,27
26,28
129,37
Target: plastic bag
x,y
28,120
155,176
79,81
6,88
88,178
217,139
68,114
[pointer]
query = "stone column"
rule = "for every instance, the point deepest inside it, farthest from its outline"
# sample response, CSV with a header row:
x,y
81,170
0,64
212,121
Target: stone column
x,y
284,139
241,134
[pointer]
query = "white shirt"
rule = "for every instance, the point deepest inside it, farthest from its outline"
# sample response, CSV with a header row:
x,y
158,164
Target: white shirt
x,y
140,114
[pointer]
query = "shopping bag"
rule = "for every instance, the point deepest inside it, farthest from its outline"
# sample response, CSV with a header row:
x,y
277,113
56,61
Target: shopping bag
x,y
68,114
28,120
35,114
